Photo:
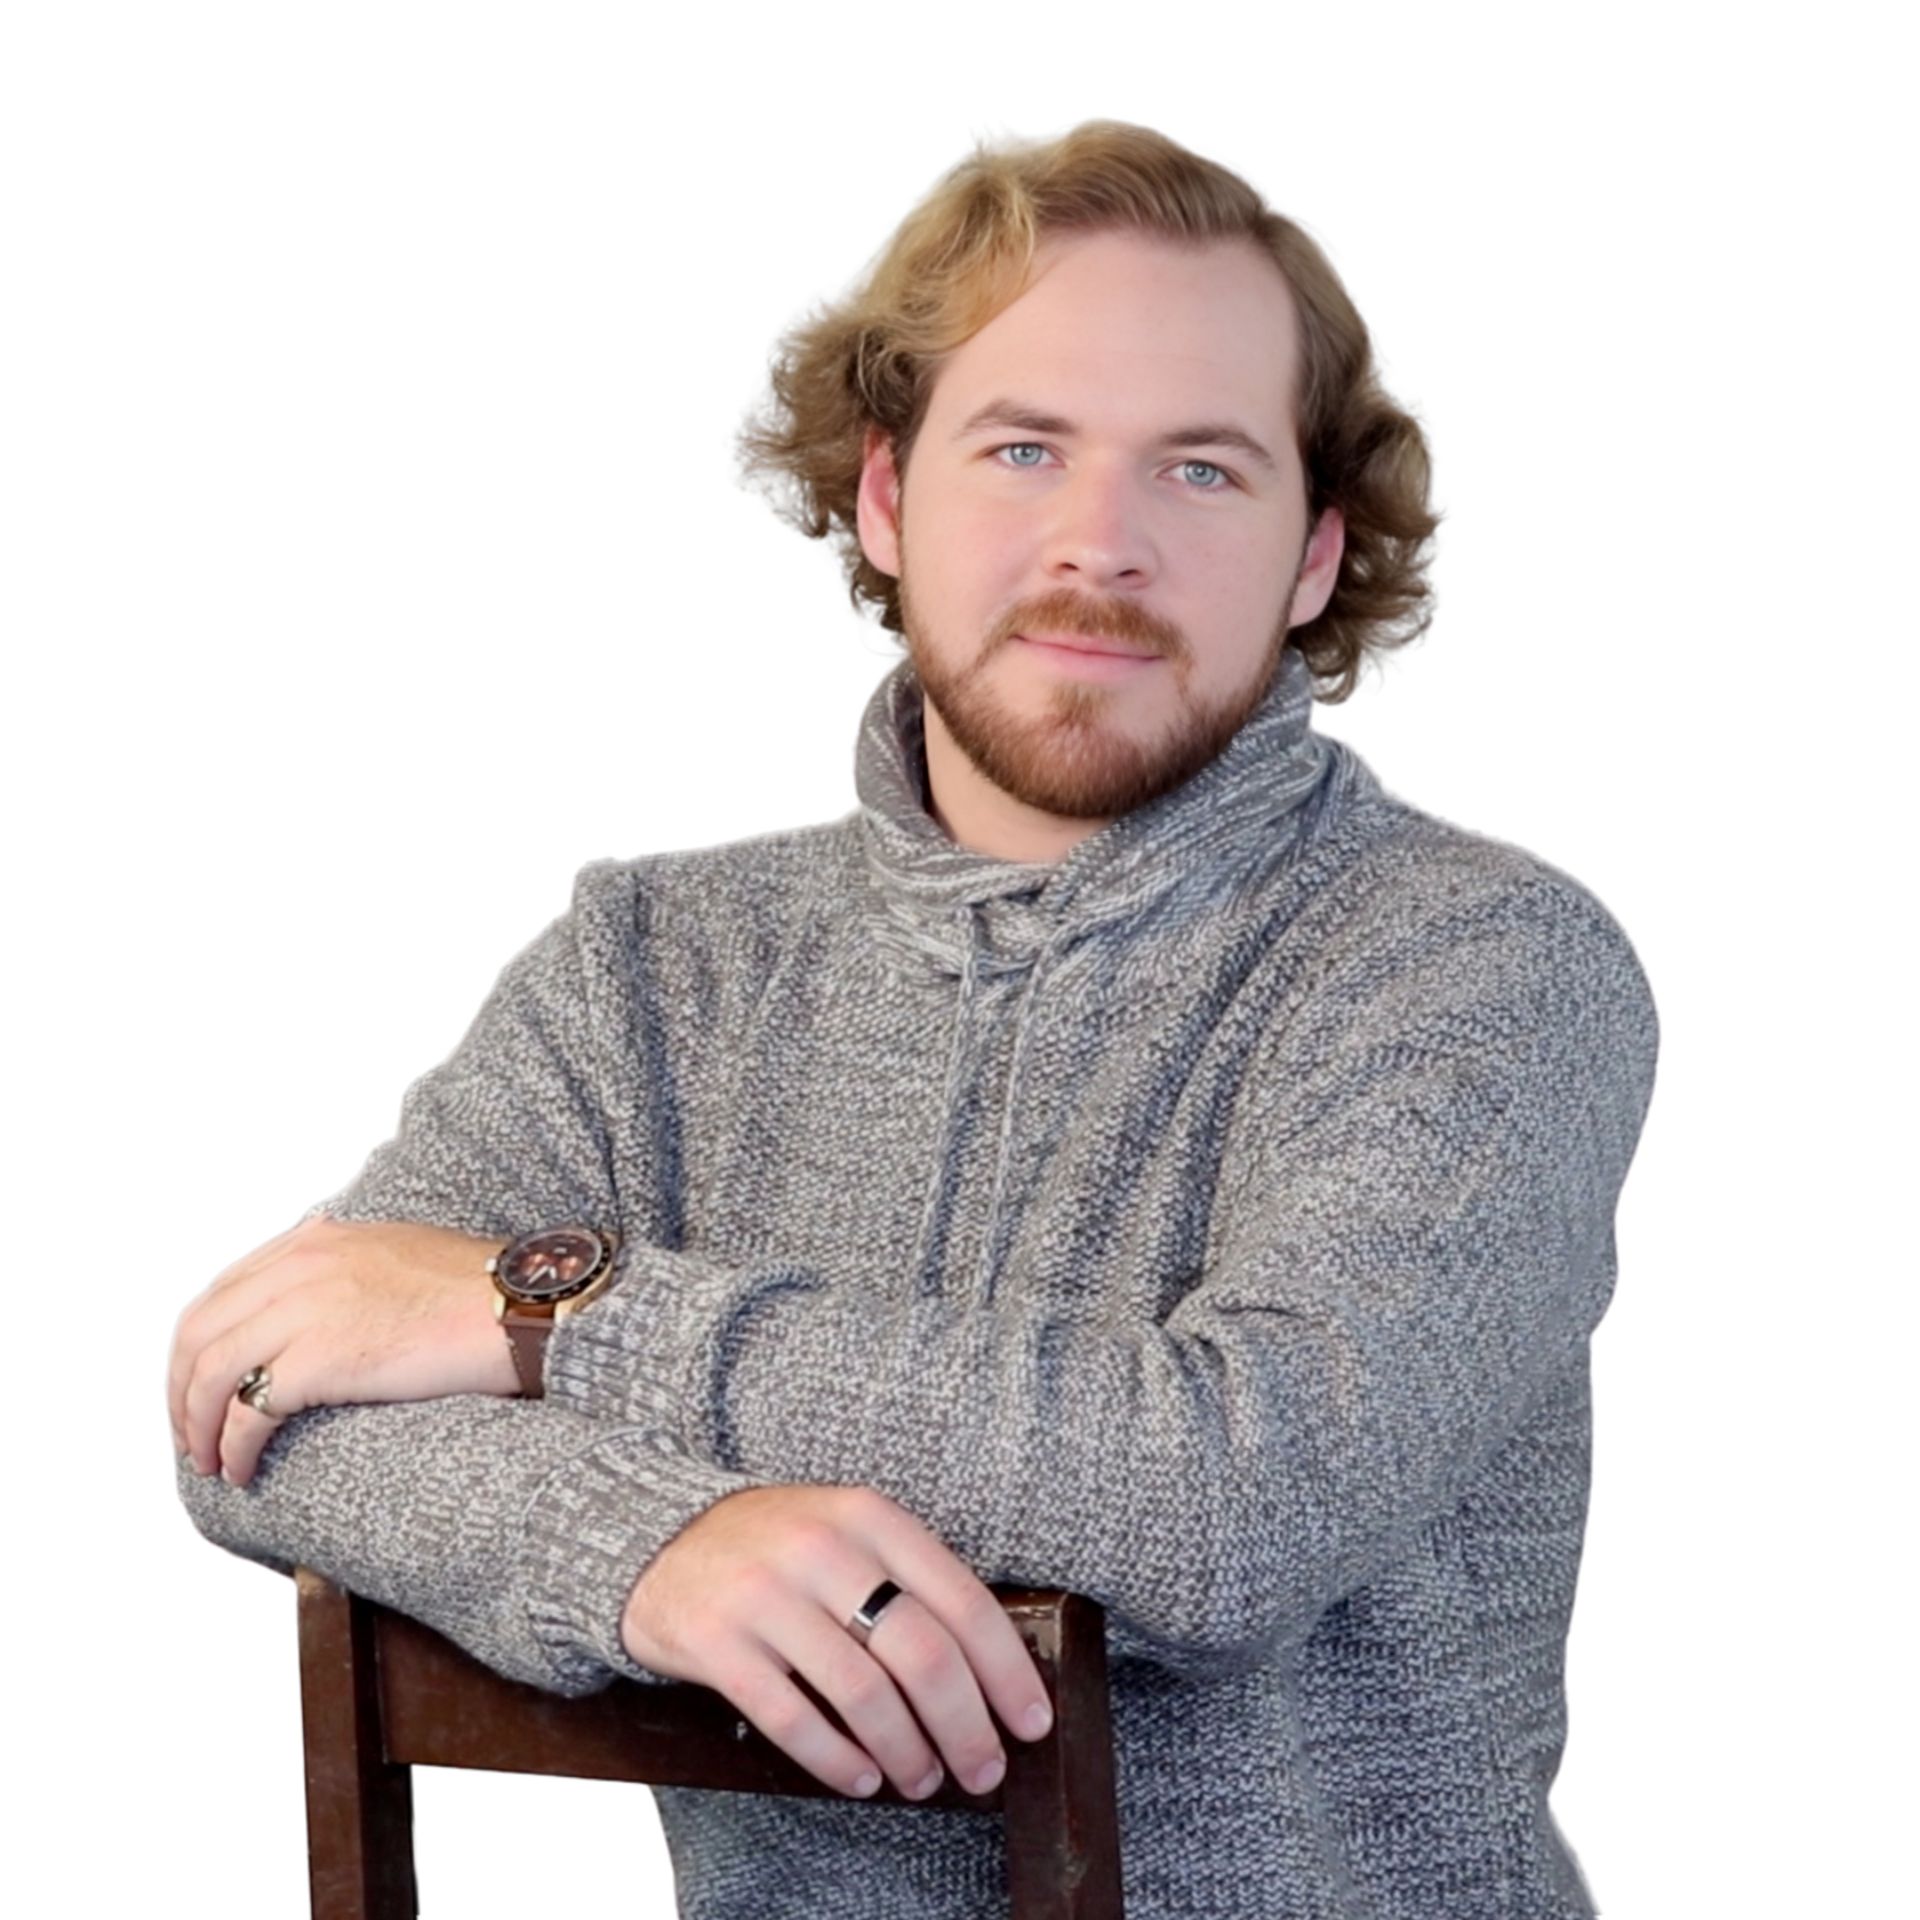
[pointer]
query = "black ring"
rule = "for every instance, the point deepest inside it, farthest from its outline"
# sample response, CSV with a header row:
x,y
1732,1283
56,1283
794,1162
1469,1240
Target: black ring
x,y
866,1616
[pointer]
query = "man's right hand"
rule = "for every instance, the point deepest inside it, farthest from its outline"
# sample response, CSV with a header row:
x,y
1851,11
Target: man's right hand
x,y
762,1584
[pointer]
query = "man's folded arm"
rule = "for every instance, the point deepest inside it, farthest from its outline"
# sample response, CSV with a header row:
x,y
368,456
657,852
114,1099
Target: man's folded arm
x,y
516,1528
1415,1237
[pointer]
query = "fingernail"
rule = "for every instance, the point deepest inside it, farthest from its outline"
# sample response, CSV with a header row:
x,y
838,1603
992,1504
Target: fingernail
x,y
226,1476
927,1785
989,1776
1039,1719
866,1784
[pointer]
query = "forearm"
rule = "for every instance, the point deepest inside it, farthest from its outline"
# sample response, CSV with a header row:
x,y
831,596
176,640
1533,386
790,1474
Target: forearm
x,y
515,1528
1418,1244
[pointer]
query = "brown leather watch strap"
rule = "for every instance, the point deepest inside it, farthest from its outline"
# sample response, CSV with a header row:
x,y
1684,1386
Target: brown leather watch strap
x,y
527,1334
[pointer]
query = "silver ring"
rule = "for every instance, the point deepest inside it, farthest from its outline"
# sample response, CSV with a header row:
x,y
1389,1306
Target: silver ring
x,y
866,1616
256,1388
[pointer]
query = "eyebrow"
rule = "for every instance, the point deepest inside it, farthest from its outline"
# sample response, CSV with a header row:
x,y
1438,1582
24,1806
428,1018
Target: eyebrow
x,y
1206,433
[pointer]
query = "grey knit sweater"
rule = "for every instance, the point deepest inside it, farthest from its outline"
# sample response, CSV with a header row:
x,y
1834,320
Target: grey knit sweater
x,y
1212,1222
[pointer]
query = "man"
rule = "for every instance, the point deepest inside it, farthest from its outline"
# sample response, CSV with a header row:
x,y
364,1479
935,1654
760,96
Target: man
x,y
1133,1152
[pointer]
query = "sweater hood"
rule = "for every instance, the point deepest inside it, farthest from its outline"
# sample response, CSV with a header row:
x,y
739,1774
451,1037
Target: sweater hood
x,y
938,908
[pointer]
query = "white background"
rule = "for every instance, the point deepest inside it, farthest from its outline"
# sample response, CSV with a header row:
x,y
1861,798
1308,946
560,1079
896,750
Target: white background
x,y
373,558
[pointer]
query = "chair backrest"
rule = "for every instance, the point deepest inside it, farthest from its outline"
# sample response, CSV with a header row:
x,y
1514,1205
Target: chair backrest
x,y
380,1693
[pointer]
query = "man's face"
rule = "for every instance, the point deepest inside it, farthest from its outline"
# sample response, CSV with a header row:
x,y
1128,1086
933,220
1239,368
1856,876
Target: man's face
x,y
1097,572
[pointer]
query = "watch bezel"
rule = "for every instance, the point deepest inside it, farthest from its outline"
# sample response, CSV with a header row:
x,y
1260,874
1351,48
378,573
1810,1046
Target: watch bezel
x,y
501,1264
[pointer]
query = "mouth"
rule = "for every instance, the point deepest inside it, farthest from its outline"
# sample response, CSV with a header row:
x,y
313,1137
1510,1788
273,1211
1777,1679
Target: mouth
x,y
1101,648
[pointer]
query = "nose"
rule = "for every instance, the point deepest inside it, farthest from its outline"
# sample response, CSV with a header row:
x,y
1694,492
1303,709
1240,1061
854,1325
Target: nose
x,y
1096,530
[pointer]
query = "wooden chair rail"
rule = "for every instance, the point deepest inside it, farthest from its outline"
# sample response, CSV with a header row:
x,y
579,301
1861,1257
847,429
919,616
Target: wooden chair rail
x,y
380,1693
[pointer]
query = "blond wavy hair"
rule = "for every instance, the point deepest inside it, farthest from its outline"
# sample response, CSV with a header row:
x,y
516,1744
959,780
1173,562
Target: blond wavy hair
x,y
966,252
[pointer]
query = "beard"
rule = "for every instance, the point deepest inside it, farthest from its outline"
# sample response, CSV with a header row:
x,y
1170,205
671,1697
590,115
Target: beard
x,y
1073,760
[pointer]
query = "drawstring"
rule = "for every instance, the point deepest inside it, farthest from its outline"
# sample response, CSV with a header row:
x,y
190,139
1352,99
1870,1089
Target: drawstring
x,y
991,1232
950,1099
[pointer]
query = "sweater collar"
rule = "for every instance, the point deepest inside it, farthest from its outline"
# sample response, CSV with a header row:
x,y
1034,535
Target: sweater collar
x,y
936,905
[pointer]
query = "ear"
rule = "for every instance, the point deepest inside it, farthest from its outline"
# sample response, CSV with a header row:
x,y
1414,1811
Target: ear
x,y
1319,567
877,505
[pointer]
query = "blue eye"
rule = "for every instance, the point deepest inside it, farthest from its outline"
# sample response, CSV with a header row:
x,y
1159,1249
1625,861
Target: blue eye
x,y
1213,479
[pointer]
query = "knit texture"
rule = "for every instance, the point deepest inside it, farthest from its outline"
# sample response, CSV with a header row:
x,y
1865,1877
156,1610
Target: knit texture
x,y
1212,1223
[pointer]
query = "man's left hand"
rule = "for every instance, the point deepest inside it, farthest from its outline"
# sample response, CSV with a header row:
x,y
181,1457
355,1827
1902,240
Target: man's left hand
x,y
339,1311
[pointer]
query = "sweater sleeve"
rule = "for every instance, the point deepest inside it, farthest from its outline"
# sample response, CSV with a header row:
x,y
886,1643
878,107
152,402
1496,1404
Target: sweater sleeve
x,y
515,1528
1414,1235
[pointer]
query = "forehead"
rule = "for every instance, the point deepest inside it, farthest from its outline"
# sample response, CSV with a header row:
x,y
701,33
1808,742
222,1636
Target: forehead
x,y
1124,329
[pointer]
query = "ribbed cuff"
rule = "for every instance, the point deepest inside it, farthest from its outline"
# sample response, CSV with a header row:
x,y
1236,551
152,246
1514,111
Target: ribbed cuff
x,y
592,1529
656,1349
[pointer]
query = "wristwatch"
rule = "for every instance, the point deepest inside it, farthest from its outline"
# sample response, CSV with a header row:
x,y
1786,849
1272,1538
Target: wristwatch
x,y
539,1279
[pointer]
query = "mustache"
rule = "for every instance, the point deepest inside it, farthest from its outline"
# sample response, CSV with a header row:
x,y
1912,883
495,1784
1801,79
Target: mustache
x,y
1064,611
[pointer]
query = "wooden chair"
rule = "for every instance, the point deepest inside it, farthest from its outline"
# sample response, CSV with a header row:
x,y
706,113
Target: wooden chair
x,y
381,1693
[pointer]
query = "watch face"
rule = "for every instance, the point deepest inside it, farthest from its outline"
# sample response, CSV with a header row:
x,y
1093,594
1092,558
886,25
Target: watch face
x,y
551,1266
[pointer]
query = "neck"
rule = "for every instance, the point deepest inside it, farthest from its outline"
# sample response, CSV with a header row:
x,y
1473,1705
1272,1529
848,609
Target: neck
x,y
983,818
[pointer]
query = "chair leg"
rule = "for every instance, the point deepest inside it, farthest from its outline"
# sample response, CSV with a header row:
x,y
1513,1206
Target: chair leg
x,y
359,1805
1062,1824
